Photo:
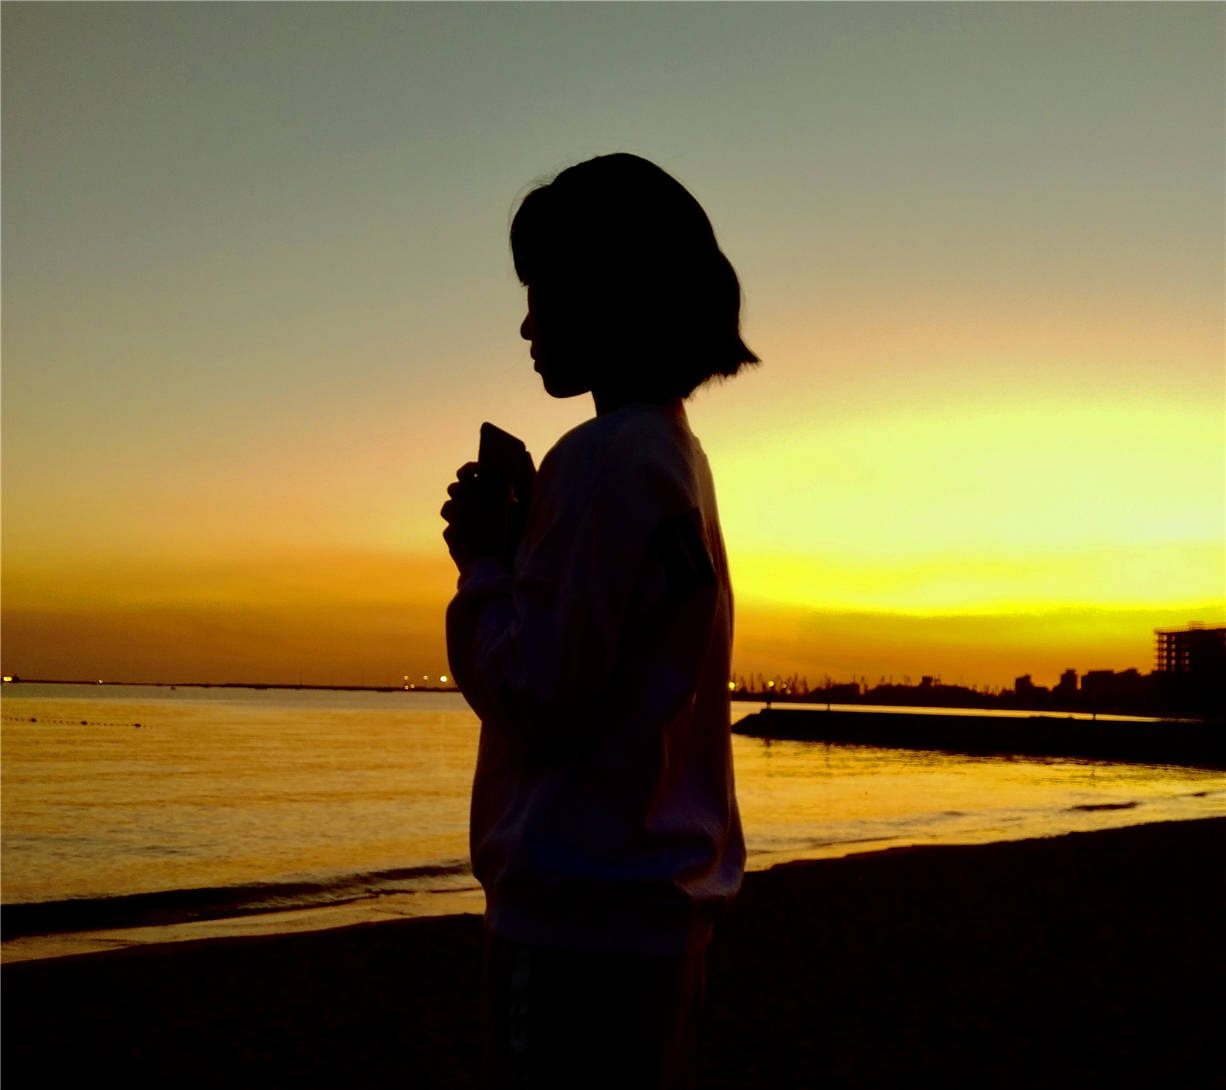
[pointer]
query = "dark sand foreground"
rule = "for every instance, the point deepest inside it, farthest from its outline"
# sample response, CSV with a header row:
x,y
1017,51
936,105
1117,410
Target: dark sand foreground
x,y
1089,960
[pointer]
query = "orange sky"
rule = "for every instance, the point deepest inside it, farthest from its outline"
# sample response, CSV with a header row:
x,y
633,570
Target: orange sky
x,y
258,300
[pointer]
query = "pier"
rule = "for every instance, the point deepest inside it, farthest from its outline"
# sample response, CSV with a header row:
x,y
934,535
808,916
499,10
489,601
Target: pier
x,y
1198,743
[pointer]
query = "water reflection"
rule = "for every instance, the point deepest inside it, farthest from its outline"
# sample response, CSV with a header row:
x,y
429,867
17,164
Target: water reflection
x,y
822,800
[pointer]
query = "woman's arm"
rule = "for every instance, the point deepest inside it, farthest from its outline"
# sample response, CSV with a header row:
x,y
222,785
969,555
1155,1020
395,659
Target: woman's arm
x,y
535,652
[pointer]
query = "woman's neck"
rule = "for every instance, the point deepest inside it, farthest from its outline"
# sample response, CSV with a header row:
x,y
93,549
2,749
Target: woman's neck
x,y
609,401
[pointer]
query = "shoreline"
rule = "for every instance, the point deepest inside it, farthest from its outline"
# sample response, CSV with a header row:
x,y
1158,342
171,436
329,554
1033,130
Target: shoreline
x,y
1084,954
39,931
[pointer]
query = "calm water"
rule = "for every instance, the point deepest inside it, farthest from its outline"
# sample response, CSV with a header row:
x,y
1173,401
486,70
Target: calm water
x,y
312,801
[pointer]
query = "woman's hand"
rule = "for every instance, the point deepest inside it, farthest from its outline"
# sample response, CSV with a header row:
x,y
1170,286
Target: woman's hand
x,y
477,515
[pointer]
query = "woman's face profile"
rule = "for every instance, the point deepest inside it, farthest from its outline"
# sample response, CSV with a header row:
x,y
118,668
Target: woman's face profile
x,y
562,348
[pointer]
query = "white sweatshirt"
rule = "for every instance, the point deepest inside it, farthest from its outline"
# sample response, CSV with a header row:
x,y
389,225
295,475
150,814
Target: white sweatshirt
x,y
603,813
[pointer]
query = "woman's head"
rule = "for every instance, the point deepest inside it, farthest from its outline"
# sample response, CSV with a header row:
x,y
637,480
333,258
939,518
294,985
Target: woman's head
x,y
623,270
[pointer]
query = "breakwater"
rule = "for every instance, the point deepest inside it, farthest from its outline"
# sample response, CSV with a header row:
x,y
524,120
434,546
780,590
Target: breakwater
x,y
1199,744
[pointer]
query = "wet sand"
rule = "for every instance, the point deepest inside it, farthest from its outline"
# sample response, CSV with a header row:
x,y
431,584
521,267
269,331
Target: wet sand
x,y
1092,959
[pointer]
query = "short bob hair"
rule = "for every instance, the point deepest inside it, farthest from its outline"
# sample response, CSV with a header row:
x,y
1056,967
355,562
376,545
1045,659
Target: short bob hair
x,y
628,246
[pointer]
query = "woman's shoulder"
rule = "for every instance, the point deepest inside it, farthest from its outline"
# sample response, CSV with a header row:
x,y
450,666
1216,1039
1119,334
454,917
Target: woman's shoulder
x,y
640,433
637,449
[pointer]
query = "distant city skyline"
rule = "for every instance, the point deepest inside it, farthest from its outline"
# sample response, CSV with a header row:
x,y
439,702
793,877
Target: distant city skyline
x,y
1070,681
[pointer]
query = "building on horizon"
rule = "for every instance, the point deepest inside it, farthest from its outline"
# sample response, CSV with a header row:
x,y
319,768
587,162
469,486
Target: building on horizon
x,y
1025,688
1190,668
1067,687
1112,687
1191,650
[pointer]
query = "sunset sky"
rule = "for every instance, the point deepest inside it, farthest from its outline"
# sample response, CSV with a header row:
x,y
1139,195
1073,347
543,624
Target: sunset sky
x,y
258,298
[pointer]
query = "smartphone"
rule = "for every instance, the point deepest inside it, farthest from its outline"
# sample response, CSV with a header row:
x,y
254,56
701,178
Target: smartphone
x,y
500,456
503,460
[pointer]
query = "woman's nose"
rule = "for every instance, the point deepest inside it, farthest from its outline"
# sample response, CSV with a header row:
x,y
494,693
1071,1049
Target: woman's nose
x,y
525,328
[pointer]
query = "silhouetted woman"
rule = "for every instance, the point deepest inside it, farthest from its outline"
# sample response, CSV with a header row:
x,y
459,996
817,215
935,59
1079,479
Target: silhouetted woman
x,y
604,820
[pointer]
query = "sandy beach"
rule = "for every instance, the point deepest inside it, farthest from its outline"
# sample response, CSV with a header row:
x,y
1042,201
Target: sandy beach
x,y
1090,959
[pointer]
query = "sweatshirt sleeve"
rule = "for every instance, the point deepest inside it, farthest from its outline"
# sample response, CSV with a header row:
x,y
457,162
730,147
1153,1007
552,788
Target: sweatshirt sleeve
x,y
534,651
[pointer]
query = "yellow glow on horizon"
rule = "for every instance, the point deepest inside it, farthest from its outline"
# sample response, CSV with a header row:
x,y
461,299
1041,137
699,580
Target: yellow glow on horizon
x,y
1046,477
1036,507
968,584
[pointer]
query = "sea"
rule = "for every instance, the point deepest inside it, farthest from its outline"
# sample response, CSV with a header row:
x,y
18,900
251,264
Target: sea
x,y
135,814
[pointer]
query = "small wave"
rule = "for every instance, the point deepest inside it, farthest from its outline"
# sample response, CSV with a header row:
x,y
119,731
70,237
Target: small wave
x,y
176,906
1106,806
842,843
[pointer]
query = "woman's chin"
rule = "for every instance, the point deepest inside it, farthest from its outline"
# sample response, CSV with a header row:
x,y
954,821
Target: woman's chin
x,y
560,386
